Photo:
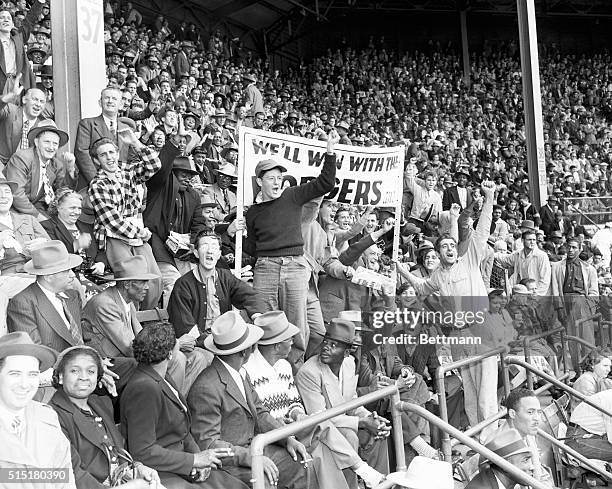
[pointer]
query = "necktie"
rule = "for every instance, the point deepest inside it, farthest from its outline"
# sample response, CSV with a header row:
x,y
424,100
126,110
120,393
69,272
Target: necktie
x,y
113,128
25,143
225,198
74,327
46,185
17,426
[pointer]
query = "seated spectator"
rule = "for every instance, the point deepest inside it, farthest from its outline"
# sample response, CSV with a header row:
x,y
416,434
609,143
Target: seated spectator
x,y
118,226
88,422
328,379
227,413
31,434
67,224
156,423
220,191
590,430
202,295
39,171
595,371
511,447
16,120
270,375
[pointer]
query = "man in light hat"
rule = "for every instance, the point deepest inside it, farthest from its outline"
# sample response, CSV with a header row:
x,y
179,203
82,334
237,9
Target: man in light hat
x,y
328,379
274,236
39,171
253,100
270,375
119,228
511,446
173,214
30,431
227,413
181,60
220,191
19,112
425,473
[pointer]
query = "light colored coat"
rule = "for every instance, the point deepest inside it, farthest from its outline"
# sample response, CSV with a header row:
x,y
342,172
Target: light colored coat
x,y
44,446
320,390
589,277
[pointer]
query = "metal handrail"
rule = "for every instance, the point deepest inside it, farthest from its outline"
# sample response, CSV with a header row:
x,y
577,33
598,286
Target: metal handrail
x,y
595,318
583,460
440,373
559,384
261,441
474,430
522,477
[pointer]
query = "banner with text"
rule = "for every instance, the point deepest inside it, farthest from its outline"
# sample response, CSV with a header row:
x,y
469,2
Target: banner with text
x,y
364,176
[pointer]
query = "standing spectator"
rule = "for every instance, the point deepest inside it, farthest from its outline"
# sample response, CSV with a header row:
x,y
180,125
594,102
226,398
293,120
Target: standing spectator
x,y
458,194
426,198
252,97
530,262
274,236
13,56
91,129
39,172
181,60
16,120
118,226
575,292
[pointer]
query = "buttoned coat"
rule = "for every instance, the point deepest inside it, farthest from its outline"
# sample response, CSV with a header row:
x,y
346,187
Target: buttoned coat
x,y
89,461
589,277
11,129
31,311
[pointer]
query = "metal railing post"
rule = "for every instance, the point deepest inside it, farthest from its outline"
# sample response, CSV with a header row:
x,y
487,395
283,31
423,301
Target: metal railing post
x,y
505,373
440,374
527,340
466,440
398,433
264,439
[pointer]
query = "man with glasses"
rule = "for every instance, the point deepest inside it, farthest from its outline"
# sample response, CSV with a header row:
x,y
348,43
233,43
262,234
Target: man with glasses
x,y
275,237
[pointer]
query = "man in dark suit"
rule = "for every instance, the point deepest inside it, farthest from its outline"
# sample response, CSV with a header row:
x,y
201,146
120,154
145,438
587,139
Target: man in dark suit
x,y
38,171
106,125
181,61
510,446
16,120
172,207
16,40
547,214
458,194
227,413
49,310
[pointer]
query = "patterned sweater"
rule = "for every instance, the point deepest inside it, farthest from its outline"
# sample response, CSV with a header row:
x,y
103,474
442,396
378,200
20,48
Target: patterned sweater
x,y
274,385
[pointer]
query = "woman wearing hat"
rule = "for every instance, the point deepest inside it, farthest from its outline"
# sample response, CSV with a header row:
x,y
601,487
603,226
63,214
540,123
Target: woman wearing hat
x,y
160,435
88,422
427,260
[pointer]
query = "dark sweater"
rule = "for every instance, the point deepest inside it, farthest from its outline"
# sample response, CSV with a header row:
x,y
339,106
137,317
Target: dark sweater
x,y
274,228
188,301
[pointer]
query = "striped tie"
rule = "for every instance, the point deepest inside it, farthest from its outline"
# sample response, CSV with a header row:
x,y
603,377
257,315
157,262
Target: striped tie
x,y
25,142
74,328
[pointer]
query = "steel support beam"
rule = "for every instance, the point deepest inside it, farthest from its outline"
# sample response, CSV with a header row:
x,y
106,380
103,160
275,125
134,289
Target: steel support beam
x,y
465,47
532,101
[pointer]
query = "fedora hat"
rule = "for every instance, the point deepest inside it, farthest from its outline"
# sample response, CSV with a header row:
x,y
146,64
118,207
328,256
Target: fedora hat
x,y
425,473
13,185
220,112
208,201
184,163
276,327
231,334
506,444
343,125
249,77
47,125
228,148
46,71
20,343
341,330
132,268
51,257
227,169
528,224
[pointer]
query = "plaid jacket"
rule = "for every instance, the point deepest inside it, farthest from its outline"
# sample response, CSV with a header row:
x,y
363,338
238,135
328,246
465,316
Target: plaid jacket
x,y
114,196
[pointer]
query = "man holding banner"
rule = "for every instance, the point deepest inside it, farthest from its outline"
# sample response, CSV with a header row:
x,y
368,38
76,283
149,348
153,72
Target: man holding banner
x,y
274,236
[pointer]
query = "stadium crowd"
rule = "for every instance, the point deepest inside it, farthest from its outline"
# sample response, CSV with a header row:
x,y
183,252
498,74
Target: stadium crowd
x,y
141,217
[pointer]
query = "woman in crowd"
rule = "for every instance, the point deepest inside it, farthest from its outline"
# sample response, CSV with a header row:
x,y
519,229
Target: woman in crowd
x,y
87,420
595,368
427,260
156,422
